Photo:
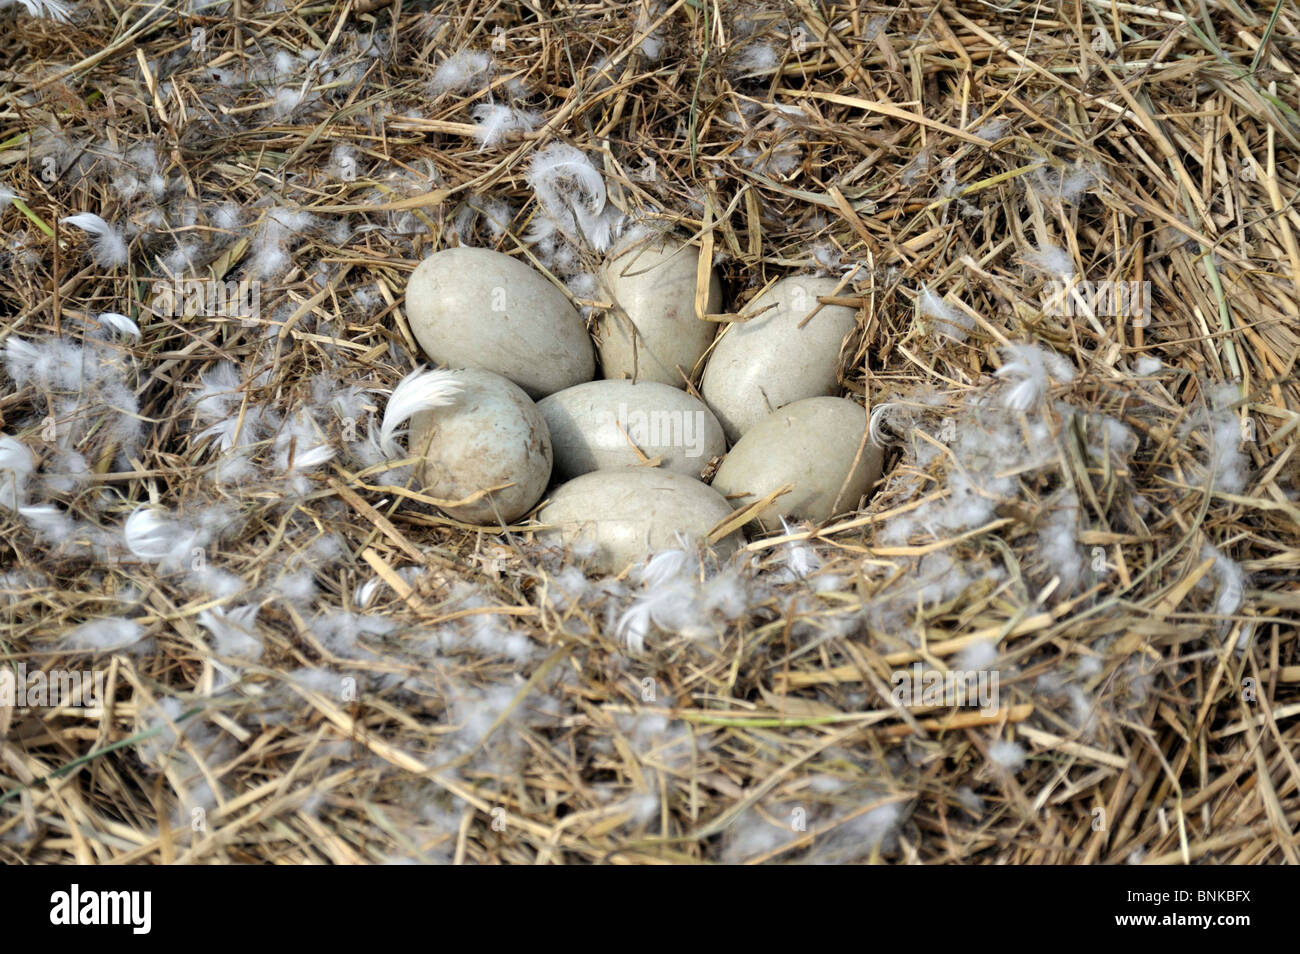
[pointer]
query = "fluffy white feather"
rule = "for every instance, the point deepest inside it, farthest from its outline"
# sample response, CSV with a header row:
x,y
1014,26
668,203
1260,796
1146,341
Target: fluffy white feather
x,y
1066,184
976,656
1231,579
21,356
991,130
674,599
313,457
461,72
233,631
228,216
216,582
103,635
16,465
652,46
1029,368
1050,260
119,323
757,58
421,390
916,167
273,238
343,162
1058,543
798,560
55,10
51,523
67,472
666,567
952,321
302,436
364,593
149,534
564,177
155,536
1227,461
109,246
666,591
219,392
181,259
340,632
571,192
496,122
1007,755
298,587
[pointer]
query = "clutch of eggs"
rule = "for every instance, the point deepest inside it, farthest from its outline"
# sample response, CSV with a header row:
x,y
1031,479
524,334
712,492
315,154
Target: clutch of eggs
x,y
628,451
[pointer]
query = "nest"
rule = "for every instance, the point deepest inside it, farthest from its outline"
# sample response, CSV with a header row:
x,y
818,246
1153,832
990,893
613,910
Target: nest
x,y
299,659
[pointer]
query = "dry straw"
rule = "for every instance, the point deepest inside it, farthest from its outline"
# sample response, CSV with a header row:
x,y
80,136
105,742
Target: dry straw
x,y
307,663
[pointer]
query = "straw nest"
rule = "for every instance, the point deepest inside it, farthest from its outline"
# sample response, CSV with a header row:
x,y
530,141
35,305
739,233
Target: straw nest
x,y
1100,510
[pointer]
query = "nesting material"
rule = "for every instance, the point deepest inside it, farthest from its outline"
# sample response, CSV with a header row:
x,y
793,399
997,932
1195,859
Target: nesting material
x,y
487,454
783,353
308,656
604,424
611,518
475,308
653,333
818,446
